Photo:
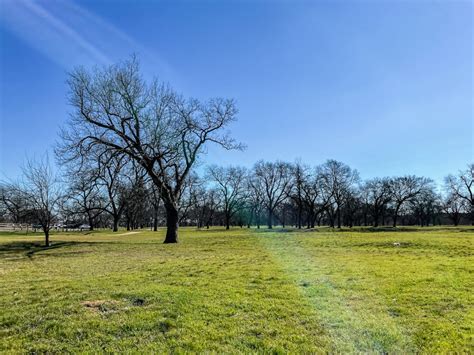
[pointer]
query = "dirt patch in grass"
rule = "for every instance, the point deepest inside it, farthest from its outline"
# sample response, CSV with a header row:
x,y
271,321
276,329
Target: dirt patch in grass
x,y
101,306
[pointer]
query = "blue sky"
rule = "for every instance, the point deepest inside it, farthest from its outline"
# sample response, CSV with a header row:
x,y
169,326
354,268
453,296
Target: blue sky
x,y
385,86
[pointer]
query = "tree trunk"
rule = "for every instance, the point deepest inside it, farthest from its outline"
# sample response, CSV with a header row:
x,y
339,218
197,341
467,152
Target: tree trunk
x,y
172,224
46,238
227,221
299,216
376,219
115,226
91,221
395,216
270,218
338,217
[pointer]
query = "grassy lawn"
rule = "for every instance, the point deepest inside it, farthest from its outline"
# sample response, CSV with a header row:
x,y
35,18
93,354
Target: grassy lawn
x,y
239,291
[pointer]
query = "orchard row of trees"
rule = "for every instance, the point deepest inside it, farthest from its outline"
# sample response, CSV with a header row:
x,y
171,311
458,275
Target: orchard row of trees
x,y
128,155
117,192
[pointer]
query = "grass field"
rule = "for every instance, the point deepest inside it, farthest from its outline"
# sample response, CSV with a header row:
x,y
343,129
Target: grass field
x,y
239,291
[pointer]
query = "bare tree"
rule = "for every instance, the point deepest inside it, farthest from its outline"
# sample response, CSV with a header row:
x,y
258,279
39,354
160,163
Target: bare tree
x,y
454,206
134,195
405,189
378,194
272,181
425,206
338,179
462,186
192,192
13,203
315,197
299,174
230,183
255,201
84,195
155,200
116,110
40,188
207,205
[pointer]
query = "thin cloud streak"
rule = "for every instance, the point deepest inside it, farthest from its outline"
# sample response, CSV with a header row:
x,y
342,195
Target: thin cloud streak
x,y
70,35
48,34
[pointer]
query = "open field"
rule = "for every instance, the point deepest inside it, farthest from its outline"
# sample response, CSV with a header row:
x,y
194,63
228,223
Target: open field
x,y
239,290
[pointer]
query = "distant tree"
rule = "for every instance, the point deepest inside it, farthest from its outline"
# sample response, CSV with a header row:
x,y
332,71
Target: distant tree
x,y
110,168
271,181
13,203
207,205
378,194
84,196
425,206
116,110
155,201
192,193
462,185
454,206
299,177
230,184
338,179
404,189
135,198
255,203
352,208
316,198
40,188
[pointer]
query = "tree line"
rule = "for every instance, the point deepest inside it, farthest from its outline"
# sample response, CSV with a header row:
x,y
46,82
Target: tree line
x,y
128,156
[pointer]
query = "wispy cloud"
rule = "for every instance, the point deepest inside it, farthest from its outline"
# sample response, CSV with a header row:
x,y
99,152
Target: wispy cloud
x,y
70,35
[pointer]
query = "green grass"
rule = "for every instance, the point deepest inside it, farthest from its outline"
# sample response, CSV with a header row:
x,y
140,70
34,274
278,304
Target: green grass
x,y
239,291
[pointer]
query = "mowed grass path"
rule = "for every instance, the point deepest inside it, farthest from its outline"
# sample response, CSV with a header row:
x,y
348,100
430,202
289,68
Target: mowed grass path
x,y
239,291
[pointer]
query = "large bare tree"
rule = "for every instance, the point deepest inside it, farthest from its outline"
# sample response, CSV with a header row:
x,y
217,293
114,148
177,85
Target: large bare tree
x,y
116,109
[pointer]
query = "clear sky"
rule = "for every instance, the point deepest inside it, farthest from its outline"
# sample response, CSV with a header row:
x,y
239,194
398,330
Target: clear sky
x,y
384,86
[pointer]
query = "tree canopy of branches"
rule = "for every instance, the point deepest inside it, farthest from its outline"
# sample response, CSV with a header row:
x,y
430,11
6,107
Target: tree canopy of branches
x,y
115,110
405,189
339,179
271,181
36,194
230,183
462,186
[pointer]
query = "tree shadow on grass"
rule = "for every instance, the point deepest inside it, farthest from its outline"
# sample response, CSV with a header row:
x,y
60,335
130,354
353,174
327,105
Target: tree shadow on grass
x,y
30,249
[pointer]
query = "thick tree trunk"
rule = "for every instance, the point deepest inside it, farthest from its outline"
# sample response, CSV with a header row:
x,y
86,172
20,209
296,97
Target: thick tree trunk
x,y
270,219
227,221
172,224
91,221
395,216
115,225
376,220
46,238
